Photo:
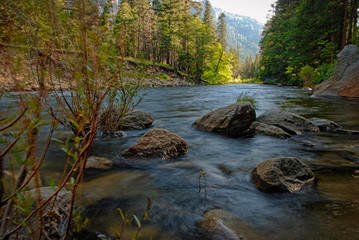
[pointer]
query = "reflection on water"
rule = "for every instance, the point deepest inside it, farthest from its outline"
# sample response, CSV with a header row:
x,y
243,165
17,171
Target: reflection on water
x,y
328,210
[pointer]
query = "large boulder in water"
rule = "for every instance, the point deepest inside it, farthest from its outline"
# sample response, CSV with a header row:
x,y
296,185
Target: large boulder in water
x,y
290,122
345,79
158,143
232,120
283,174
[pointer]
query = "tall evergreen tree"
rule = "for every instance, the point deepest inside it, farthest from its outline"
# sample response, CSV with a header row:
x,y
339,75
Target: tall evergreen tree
x,y
208,18
222,31
143,28
124,27
236,62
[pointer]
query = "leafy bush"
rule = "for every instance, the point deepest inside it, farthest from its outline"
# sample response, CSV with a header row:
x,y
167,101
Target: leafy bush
x,y
307,75
323,72
247,97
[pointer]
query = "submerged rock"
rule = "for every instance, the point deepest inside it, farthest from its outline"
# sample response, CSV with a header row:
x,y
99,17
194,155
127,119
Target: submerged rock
x,y
214,229
233,119
216,225
325,125
99,163
283,174
268,130
158,143
290,122
345,79
333,127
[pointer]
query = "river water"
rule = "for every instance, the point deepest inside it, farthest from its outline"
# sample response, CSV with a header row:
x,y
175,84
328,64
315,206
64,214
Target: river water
x,y
328,209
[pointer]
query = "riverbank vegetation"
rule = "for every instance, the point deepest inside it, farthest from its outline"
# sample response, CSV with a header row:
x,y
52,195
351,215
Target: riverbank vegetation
x,y
301,41
182,35
54,45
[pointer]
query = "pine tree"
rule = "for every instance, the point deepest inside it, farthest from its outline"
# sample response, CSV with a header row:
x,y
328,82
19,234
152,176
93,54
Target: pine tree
x,y
222,31
124,29
208,18
236,62
143,28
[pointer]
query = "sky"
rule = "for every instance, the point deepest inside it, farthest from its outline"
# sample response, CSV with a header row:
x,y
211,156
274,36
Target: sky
x,y
257,9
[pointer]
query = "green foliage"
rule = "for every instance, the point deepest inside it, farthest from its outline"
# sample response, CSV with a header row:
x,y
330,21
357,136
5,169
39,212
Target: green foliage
x,y
222,31
219,69
247,97
125,221
323,72
79,222
300,33
307,75
164,76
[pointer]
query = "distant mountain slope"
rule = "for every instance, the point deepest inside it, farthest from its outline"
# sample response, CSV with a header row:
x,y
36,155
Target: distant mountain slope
x,y
242,31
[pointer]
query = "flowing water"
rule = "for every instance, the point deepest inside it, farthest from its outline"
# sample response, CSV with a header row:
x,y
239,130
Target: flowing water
x,y
329,209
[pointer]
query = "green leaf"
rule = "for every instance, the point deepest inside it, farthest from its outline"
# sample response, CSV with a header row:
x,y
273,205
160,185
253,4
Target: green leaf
x,y
122,216
137,221
118,234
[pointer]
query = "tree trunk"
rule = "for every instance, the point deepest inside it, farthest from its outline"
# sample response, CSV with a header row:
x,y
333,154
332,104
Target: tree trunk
x,y
344,33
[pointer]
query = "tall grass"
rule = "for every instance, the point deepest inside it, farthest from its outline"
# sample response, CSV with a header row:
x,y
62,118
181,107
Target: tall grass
x,y
247,97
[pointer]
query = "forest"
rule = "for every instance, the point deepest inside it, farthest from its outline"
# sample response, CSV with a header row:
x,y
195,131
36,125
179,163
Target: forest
x,y
303,38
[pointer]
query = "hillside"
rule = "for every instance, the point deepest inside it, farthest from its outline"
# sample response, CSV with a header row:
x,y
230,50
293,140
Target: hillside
x,y
242,31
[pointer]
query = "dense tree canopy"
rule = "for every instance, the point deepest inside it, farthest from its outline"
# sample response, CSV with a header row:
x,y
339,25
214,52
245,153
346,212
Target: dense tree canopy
x,y
305,32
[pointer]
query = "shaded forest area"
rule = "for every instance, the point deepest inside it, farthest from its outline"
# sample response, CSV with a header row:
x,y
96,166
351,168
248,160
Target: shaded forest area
x,y
301,41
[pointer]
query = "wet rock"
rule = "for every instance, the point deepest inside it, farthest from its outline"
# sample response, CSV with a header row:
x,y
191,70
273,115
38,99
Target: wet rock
x,y
185,165
346,131
114,185
113,122
99,163
218,224
345,79
114,134
54,215
325,125
158,143
329,126
290,122
283,174
136,119
268,130
214,229
233,119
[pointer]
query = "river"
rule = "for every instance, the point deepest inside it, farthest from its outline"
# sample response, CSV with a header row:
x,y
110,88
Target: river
x,y
328,209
